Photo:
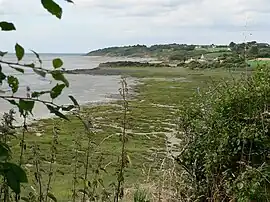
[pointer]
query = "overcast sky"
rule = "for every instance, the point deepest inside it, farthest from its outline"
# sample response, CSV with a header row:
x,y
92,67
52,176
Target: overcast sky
x,y
92,24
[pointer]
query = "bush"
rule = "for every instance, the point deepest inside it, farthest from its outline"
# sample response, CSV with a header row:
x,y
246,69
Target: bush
x,y
227,141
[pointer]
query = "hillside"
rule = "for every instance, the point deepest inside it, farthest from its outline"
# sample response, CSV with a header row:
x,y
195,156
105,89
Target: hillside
x,y
167,51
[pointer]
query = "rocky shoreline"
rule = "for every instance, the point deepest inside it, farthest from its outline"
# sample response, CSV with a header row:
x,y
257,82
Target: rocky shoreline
x,y
100,71
116,68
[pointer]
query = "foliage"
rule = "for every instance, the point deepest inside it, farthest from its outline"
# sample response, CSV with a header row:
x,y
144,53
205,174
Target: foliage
x,y
141,195
225,61
251,49
163,51
13,174
226,141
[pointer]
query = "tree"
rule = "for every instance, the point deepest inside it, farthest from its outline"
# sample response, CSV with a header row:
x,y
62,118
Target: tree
x,y
12,173
232,44
253,51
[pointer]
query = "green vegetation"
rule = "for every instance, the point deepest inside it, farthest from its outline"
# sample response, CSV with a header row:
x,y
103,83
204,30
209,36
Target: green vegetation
x,y
191,56
226,141
186,135
130,64
168,51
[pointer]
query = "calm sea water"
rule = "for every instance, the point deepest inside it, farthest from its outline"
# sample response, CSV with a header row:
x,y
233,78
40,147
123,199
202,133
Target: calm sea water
x,y
85,88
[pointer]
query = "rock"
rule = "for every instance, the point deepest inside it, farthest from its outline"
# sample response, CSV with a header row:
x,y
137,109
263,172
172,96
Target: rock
x,y
38,134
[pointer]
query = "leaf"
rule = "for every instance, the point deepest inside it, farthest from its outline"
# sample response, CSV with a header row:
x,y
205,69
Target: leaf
x,y
57,75
19,51
18,171
2,76
26,105
32,65
56,112
37,55
13,183
68,108
40,72
74,101
51,196
4,152
13,83
2,54
37,94
18,69
7,26
52,8
15,175
13,102
59,114
57,90
57,63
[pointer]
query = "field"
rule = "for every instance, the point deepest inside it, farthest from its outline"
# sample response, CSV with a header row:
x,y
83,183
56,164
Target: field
x,y
152,122
255,63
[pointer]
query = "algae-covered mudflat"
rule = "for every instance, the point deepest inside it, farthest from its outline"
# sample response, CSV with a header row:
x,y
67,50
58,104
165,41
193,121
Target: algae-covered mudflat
x,y
152,131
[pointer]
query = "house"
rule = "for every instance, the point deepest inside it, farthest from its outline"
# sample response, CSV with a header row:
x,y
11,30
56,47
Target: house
x,y
202,58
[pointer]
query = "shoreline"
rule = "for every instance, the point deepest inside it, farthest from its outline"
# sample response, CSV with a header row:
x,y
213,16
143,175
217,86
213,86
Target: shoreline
x,y
108,99
101,71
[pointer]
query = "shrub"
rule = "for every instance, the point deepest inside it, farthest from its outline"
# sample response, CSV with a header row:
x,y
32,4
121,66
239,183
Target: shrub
x,y
227,141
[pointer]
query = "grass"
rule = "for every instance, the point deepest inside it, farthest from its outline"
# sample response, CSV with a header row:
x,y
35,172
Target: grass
x,y
214,55
255,63
152,114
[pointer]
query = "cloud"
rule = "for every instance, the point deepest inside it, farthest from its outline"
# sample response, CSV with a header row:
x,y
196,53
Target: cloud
x,y
90,24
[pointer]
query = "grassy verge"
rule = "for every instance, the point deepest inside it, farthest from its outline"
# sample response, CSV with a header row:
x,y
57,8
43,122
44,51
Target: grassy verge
x,y
152,115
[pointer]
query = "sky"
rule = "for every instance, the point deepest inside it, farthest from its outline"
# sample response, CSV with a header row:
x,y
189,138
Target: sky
x,y
93,24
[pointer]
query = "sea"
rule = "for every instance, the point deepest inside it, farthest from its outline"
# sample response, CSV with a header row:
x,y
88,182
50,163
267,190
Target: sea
x,y
85,88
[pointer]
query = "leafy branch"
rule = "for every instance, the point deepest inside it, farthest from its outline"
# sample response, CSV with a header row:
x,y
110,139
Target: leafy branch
x,y
13,174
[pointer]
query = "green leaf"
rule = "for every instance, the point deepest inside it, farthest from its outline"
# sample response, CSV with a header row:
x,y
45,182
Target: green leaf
x,y
57,90
26,105
4,152
74,101
7,26
56,112
37,55
40,72
58,76
57,63
18,171
19,51
52,7
51,196
15,175
13,183
18,69
2,75
2,54
68,108
13,83
13,102
32,65
37,94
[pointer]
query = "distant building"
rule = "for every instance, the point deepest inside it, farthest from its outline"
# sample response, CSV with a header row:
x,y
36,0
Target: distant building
x,y
190,60
202,58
